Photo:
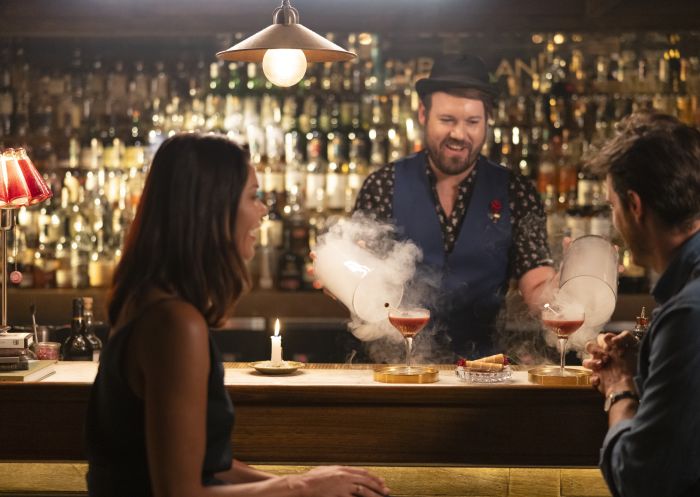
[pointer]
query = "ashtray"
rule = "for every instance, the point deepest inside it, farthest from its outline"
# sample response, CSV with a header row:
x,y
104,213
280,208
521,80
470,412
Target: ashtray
x,y
285,367
483,376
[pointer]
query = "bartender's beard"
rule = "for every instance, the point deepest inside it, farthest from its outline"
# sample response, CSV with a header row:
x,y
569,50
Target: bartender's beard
x,y
452,166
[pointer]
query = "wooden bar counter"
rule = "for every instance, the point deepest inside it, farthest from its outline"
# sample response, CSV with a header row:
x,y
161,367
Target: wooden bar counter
x,y
339,414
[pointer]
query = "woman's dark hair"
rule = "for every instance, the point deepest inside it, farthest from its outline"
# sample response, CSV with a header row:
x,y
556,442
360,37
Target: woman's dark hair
x,y
182,238
658,157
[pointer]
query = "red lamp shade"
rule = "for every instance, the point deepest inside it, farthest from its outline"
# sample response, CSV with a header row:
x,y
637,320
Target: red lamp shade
x,y
20,182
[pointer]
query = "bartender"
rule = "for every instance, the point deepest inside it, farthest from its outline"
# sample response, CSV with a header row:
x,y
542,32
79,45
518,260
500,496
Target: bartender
x,y
478,223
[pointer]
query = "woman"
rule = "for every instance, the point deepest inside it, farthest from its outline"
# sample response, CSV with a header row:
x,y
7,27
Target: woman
x,y
159,418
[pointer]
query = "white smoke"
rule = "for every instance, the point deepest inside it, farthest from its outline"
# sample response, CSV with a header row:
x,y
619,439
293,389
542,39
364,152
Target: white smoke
x,y
361,262
570,307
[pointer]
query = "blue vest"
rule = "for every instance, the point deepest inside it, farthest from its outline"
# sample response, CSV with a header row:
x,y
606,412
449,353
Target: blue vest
x,y
470,282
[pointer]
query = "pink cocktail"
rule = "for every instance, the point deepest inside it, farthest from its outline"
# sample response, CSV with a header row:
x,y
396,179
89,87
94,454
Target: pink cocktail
x,y
564,322
409,322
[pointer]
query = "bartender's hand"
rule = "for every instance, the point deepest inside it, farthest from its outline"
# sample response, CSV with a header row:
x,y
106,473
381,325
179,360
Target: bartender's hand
x,y
339,481
317,283
613,362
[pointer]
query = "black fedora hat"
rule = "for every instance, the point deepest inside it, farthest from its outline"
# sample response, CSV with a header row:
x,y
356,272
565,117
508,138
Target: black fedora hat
x,y
456,71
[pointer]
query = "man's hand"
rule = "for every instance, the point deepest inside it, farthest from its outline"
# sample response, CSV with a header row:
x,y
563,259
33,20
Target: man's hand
x,y
613,362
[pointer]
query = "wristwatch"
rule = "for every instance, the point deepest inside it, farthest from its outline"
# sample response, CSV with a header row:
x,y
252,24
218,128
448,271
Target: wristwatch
x,y
615,396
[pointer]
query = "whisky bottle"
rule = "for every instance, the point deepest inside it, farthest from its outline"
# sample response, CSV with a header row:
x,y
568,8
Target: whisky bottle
x,y
77,347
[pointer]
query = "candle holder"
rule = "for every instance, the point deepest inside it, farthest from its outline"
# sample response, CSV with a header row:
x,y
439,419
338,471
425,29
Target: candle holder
x,y
285,367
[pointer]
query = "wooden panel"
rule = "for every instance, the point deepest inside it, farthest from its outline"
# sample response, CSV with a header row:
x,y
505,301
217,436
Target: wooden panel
x,y
583,483
356,424
59,478
542,482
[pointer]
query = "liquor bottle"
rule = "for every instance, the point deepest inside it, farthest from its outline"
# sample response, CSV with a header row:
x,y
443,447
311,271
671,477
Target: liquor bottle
x,y
101,264
77,347
396,134
633,277
640,327
94,340
546,178
111,143
567,171
377,133
6,100
215,98
274,221
358,155
316,165
266,253
135,143
336,151
290,267
273,170
294,145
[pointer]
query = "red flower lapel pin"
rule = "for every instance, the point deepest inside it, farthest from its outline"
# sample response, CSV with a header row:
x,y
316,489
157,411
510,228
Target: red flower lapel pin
x,y
495,210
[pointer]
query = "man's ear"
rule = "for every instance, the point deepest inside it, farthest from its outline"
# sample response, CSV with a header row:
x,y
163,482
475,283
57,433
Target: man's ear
x,y
422,114
635,205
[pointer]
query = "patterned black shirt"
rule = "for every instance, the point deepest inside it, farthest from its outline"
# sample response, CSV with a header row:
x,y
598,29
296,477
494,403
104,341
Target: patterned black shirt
x,y
529,222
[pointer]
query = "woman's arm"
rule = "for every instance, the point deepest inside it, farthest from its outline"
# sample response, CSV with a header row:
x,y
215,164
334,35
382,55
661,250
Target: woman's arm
x,y
171,351
168,366
240,472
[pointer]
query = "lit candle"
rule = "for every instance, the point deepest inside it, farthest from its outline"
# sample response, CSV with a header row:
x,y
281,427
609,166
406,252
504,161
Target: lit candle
x,y
276,358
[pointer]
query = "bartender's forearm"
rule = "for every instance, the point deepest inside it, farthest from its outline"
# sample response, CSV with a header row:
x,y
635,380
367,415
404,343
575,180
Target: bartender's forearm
x,y
536,286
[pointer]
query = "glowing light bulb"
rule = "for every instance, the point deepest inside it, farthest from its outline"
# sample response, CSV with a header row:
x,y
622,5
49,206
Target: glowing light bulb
x,y
284,66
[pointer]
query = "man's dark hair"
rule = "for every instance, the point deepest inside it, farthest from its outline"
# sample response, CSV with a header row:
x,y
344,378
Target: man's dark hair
x,y
182,237
658,157
471,93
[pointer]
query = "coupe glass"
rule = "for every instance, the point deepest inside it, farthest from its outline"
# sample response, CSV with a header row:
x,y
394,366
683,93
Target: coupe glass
x,y
409,322
564,322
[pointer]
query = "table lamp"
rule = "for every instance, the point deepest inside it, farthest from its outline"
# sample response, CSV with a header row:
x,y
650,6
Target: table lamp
x,y
20,185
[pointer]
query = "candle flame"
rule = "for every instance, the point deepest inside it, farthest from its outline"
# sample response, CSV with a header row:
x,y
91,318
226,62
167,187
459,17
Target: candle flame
x,y
277,327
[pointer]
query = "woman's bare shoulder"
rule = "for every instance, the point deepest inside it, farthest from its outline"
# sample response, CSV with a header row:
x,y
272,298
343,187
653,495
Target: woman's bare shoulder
x,y
171,329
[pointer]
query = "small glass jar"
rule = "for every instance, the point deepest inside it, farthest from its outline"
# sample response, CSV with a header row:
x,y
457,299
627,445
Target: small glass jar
x,y
48,350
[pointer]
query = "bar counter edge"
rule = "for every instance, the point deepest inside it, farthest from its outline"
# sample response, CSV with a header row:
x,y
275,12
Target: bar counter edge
x,y
450,425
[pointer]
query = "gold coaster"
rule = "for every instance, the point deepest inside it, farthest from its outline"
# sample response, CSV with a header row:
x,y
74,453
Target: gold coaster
x,y
549,375
402,374
285,367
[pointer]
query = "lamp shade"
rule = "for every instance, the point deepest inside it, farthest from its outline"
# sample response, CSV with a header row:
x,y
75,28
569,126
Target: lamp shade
x,y
286,32
20,182
316,48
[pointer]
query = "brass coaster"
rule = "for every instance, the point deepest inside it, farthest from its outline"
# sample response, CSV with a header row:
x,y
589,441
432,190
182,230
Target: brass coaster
x,y
549,375
401,374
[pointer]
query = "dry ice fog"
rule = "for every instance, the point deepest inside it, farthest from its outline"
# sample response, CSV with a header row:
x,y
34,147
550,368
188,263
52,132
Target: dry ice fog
x,y
365,264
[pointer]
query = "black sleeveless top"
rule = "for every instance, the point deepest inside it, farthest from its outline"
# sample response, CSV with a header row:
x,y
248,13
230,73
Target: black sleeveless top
x,y
115,437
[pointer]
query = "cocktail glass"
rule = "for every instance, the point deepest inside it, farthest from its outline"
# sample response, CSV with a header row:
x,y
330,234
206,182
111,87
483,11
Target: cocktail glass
x,y
409,322
564,322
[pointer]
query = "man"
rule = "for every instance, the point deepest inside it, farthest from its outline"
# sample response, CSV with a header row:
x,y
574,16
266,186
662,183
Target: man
x,y
652,390
478,223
